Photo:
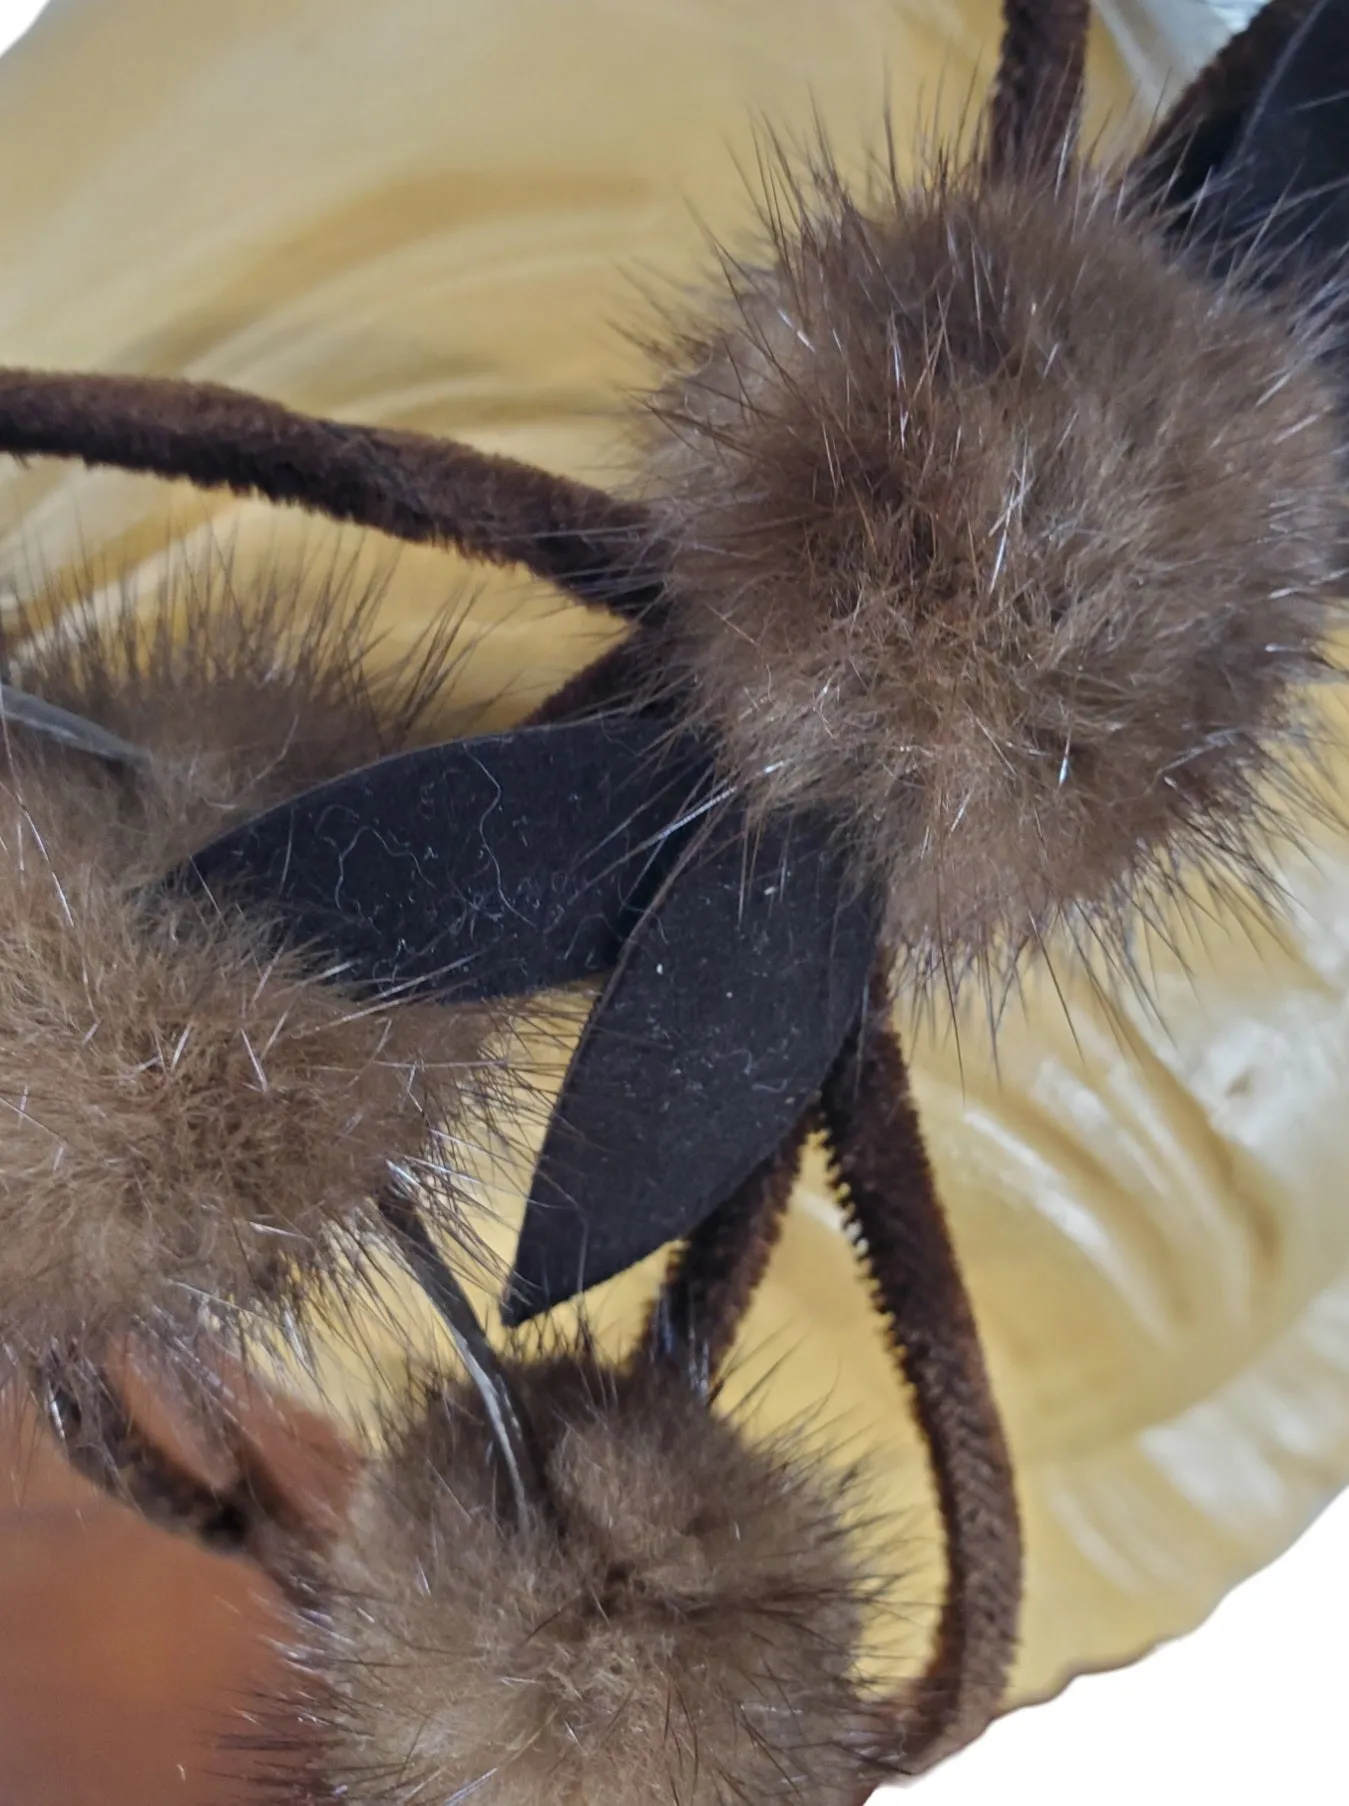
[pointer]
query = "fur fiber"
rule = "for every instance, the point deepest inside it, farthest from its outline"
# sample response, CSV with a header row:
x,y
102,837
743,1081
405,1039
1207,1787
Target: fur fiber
x,y
686,1631
1009,535
186,1116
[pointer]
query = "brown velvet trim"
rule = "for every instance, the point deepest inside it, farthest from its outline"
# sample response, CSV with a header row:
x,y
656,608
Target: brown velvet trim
x,y
411,485
889,1195
1037,93
712,1279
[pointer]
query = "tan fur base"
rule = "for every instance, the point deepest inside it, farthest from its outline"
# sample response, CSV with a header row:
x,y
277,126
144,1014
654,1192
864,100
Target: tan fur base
x,y
1008,535
688,1631
186,1116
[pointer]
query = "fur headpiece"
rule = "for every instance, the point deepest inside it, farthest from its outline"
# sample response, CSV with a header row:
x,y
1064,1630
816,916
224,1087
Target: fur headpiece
x,y
189,1113
1007,531
993,522
683,1622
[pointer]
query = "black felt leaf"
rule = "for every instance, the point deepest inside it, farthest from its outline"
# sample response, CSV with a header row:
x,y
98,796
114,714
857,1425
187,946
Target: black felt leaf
x,y
1284,186
485,867
726,1010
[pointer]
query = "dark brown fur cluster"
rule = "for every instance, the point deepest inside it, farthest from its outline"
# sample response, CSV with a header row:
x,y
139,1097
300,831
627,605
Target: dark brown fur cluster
x,y
685,1628
186,1114
1008,534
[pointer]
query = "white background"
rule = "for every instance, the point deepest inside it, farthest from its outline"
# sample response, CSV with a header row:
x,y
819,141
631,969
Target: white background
x,y
1253,1707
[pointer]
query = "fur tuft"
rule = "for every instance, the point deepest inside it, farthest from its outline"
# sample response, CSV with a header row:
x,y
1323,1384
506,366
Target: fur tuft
x,y
1007,534
686,1631
186,1116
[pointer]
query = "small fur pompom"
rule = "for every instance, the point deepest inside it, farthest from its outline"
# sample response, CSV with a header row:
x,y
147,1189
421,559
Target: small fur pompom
x,y
1008,534
685,1631
186,1115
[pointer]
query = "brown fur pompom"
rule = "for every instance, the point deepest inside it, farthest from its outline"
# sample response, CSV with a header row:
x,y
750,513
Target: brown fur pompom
x,y
686,1630
186,1116
1007,533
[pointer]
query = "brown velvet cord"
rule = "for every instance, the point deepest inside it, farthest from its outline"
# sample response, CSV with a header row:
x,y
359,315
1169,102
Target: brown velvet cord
x,y
615,679
1037,94
890,1198
888,1193
713,1278
410,485
104,1442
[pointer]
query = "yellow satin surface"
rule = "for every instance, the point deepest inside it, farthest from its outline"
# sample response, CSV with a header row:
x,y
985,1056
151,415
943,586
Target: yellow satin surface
x,y
442,215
